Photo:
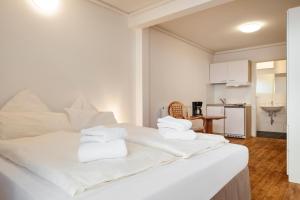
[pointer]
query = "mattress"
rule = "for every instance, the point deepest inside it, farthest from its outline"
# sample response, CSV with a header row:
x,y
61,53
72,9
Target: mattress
x,y
199,177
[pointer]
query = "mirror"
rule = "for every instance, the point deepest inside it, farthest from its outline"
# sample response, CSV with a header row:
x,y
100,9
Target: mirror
x,y
271,82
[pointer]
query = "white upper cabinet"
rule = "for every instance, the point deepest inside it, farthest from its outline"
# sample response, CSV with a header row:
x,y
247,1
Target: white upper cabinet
x,y
218,73
234,73
238,72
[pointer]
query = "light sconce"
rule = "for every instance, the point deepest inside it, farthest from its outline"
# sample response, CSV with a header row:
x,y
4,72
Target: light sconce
x,y
47,7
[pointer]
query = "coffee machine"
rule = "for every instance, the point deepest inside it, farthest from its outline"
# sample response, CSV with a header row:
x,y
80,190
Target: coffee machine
x,y
197,108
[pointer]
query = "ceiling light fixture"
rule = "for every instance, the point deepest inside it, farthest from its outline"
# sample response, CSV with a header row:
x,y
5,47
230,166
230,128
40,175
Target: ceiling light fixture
x,y
250,27
47,6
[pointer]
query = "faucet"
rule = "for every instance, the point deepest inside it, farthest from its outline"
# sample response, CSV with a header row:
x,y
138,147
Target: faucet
x,y
223,100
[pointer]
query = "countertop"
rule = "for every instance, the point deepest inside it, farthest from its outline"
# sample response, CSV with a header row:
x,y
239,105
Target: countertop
x,y
240,105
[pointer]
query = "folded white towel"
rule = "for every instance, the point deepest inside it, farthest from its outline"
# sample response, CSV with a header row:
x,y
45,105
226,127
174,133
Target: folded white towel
x,y
168,133
102,134
95,151
177,127
212,137
91,131
171,122
170,119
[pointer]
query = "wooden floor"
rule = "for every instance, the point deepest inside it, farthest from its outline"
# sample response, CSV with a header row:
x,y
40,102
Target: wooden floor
x,y
267,166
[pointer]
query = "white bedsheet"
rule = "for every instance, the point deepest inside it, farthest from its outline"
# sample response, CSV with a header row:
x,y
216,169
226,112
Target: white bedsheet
x,y
199,177
54,158
181,148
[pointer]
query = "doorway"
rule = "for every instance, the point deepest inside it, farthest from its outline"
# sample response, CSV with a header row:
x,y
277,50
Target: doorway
x,y
271,93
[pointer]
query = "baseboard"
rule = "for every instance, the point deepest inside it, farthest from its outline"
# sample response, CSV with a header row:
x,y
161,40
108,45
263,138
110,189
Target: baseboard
x,y
268,134
294,179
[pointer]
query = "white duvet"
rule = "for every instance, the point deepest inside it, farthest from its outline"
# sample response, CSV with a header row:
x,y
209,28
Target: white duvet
x,y
180,148
54,158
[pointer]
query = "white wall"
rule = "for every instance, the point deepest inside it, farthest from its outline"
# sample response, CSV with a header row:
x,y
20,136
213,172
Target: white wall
x,y
178,71
246,94
293,98
146,76
255,54
83,48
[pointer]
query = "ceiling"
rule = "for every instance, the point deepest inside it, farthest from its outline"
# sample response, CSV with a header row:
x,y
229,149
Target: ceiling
x,y
216,28
130,6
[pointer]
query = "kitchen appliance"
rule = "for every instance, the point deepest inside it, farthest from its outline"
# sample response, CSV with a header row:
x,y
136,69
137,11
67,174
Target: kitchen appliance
x,y
197,108
237,121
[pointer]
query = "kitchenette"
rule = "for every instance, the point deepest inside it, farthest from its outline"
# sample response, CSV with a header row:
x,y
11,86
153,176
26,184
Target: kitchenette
x,y
232,97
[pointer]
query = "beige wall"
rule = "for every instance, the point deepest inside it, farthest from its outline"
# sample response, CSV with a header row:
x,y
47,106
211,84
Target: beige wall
x,y
178,71
258,54
247,94
84,48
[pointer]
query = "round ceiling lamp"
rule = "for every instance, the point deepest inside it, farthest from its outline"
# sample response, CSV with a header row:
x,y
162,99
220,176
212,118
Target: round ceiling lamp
x,y
250,27
47,6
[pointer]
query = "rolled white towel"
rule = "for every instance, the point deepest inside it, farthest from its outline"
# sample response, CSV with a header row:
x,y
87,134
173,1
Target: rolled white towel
x,y
171,122
180,135
102,134
95,151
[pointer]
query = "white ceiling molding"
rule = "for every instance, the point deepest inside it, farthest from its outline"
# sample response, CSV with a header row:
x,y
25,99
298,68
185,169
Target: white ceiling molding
x,y
251,48
109,6
170,10
151,7
190,42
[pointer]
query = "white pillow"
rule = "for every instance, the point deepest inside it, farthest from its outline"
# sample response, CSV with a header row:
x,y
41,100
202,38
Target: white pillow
x,y
25,101
79,119
102,118
80,113
27,124
82,103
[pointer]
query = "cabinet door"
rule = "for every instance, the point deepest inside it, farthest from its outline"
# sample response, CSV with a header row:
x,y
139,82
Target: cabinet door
x,y
218,73
239,71
235,121
218,125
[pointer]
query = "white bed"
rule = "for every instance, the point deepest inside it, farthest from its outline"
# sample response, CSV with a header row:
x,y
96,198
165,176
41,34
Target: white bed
x,y
199,177
155,169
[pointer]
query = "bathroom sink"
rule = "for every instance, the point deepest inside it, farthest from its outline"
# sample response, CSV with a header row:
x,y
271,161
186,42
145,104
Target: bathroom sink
x,y
272,108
